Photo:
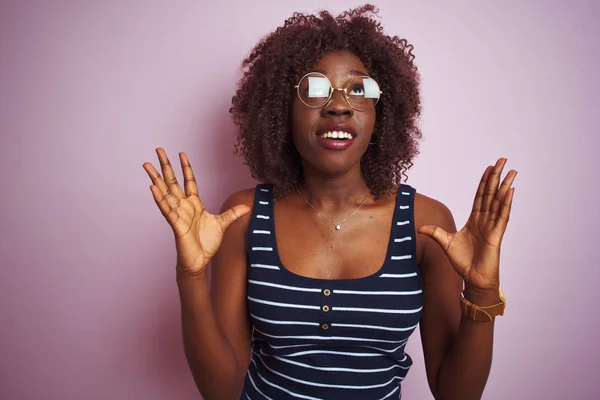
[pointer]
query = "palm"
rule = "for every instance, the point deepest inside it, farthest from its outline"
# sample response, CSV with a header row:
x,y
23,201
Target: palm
x,y
198,233
473,254
474,251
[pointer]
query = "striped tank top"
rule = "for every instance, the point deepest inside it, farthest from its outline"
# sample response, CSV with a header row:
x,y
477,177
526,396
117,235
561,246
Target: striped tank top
x,y
330,339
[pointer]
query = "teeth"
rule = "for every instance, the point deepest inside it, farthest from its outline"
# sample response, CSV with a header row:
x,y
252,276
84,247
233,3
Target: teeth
x,y
337,135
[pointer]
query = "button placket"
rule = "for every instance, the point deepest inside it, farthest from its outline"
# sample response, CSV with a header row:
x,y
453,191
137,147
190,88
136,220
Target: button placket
x,y
325,309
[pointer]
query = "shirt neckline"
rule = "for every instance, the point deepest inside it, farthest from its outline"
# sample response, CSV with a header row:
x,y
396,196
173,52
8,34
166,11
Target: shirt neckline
x,y
342,280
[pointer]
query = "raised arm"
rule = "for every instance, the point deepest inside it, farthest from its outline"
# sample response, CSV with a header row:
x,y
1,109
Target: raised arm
x,y
216,332
458,351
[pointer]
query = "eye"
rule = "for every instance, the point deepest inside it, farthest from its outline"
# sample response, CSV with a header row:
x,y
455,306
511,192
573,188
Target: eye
x,y
356,90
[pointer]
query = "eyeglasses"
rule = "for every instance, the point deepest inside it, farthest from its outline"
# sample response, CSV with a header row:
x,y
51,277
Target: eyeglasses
x,y
315,90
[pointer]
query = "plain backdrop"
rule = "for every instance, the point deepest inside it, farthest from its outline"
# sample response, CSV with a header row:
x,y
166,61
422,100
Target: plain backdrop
x,y
88,90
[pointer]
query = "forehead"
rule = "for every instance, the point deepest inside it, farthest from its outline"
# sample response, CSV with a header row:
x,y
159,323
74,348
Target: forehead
x,y
340,64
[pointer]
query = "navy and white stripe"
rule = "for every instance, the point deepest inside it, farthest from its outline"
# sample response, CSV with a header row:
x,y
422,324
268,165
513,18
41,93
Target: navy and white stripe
x,y
330,339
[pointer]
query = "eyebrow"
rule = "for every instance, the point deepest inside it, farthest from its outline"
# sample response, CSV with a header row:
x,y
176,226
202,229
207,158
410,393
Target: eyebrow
x,y
352,72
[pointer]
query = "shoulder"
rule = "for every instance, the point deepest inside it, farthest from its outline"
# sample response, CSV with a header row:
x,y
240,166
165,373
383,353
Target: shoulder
x,y
245,197
236,234
429,211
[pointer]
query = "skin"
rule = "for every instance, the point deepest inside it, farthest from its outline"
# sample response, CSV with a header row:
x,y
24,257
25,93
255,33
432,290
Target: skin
x,y
216,325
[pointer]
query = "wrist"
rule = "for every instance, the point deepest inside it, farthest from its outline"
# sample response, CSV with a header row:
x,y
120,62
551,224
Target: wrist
x,y
186,278
482,297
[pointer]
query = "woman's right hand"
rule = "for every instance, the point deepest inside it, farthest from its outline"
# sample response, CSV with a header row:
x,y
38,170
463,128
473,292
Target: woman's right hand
x,y
198,233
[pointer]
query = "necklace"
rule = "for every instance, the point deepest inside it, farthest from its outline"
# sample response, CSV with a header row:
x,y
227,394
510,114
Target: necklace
x,y
337,226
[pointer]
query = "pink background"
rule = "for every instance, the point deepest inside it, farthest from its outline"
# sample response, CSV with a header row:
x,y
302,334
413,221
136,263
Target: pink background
x,y
88,301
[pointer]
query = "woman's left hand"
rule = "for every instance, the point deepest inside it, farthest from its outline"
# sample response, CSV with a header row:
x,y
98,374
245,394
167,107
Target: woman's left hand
x,y
474,251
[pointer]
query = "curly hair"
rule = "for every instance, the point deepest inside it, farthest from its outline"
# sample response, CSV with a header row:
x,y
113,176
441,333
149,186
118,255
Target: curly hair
x,y
261,107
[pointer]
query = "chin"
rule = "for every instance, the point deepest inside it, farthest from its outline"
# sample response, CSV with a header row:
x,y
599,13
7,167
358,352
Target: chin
x,y
332,166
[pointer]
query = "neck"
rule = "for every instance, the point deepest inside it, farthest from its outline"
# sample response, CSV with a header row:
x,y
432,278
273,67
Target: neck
x,y
333,193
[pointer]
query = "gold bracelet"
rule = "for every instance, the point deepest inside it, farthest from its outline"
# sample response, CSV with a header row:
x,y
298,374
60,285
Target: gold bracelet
x,y
470,309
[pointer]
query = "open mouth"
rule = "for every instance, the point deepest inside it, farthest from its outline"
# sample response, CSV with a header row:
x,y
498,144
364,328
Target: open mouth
x,y
336,135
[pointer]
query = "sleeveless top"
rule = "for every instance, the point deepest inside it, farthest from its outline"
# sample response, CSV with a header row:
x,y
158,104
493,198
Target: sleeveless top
x,y
330,338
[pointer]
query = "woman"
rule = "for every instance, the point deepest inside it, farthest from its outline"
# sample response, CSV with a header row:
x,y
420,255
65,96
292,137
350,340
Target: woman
x,y
326,111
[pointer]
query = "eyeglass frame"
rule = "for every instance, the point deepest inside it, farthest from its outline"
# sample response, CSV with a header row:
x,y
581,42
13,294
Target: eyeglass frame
x,y
333,89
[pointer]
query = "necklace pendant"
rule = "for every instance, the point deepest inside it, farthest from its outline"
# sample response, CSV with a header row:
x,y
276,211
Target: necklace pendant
x,y
337,227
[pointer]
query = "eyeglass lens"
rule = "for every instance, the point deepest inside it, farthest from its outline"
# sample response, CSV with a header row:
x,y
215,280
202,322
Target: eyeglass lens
x,y
362,92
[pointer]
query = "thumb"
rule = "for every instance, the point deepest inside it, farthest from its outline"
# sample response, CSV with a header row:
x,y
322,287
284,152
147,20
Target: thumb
x,y
232,215
436,233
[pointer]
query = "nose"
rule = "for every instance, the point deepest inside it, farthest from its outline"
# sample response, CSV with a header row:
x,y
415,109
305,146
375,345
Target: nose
x,y
338,106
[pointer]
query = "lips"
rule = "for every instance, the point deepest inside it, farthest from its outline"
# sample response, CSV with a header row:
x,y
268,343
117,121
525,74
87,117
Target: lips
x,y
335,144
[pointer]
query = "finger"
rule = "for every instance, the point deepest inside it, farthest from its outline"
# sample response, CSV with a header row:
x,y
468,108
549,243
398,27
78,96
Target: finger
x,y
478,202
169,174
436,233
191,188
505,210
232,215
157,180
170,213
506,184
491,186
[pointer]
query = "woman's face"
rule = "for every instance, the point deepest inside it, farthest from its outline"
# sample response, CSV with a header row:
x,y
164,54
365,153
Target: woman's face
x,y
311,126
